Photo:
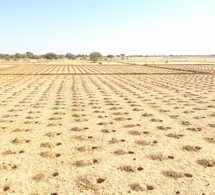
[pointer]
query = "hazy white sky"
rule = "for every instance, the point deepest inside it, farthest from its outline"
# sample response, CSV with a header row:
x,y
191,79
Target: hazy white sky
x,y
144,27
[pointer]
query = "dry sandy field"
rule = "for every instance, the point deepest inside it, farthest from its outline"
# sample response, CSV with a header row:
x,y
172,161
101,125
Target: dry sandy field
x,y
107,129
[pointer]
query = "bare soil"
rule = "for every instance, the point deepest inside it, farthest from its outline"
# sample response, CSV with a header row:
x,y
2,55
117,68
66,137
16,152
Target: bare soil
x,y
116,128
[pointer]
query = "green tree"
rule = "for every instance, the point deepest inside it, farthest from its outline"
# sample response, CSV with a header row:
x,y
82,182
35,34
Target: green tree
x,y
29,55
51,56
18,55
8,57
110,56
70,56
95,56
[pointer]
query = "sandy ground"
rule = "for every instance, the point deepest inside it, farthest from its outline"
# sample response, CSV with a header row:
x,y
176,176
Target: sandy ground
x,y
107,129
172,60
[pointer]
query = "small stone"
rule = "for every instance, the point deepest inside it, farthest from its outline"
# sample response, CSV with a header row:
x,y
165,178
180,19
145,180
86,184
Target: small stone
x,y
6,188
55,174
150,187
140,168
100,180
95,161
188,175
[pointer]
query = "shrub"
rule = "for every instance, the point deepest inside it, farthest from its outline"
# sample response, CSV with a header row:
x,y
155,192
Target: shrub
x,y
95,56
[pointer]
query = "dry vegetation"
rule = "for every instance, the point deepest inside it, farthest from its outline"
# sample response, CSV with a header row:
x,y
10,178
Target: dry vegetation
x,y
107,129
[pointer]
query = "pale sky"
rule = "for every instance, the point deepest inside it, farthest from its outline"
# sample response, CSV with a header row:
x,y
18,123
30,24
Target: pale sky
x,y
141,27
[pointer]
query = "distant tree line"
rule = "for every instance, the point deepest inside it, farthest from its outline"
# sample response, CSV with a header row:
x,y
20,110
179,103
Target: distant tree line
x,y
94,56
50,56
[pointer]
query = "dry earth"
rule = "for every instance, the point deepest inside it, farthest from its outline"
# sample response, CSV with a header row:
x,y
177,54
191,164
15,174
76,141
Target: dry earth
x,y
107,129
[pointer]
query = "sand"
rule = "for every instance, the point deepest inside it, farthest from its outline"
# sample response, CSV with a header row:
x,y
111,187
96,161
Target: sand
x,y
68,128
